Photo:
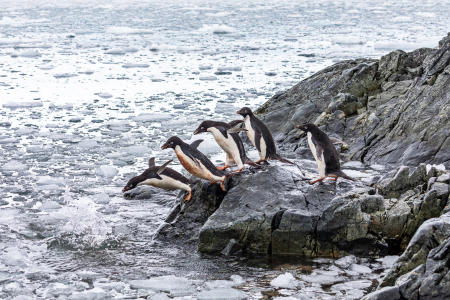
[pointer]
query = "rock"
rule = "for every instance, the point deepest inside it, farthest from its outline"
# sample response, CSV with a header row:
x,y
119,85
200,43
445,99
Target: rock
x,y
391,293
429,235
275,211
373,105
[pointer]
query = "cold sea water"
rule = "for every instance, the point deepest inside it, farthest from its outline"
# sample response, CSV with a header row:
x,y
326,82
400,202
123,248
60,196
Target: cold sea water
x,y
89,90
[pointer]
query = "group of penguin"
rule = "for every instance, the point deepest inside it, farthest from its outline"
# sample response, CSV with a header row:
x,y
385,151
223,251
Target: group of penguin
x,y
227,137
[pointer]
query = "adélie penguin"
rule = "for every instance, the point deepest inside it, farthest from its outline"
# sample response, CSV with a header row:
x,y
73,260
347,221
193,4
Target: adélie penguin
x,y
260,137
324,152
161,177
228,139
195,162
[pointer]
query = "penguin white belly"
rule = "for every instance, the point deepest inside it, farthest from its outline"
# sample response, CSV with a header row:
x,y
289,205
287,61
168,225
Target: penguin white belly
x,y
250,131
227,144
319,160
167,183
263,147
197,170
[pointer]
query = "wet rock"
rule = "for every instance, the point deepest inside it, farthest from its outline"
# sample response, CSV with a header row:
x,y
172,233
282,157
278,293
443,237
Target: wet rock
x,y
373,105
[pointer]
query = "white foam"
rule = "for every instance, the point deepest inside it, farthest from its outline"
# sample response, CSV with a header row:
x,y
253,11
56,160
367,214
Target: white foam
x,y
286,280
106,171
27,53
121,51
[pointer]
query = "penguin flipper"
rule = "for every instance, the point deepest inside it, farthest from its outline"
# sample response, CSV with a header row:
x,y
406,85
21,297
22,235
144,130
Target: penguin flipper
x,y
151,162
196,143
258,140
234,123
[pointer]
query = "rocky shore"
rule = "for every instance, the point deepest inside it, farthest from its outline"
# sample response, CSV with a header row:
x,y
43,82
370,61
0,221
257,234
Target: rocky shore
x,y
393,115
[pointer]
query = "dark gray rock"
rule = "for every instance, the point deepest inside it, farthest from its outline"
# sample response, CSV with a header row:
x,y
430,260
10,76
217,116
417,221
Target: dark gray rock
x,y
423,270
389,111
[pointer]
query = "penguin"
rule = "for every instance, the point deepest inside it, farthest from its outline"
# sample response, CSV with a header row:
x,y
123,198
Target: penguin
x,y
161,177
260,136
228,139
324,152
196,162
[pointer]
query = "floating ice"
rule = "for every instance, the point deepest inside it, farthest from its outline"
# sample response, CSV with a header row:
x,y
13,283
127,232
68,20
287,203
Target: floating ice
x,y
136,150
388,261
235,280
104,95
27,53
121,51
350,285
346,261
127,30
64,75
13,256
47,180
360,269
14,165
222,294
286,280
153,117
87,144
130,65
217,29
170,284
28,104
159,296
208,78
106,171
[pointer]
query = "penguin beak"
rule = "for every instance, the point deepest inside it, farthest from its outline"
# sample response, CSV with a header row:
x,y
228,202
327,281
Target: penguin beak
x,y
125,189
299,127
164,146
197,131
239,112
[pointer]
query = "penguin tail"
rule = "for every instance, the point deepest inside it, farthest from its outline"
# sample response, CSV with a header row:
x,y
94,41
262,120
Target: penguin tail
x,y
343,175
282,159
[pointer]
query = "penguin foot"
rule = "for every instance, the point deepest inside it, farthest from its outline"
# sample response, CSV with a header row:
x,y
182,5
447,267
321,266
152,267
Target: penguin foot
x,y
222,186
333,178
237,171
188,197
317,180
221,168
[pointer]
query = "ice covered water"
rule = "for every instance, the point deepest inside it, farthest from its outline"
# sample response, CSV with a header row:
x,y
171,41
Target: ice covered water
x,y
89,91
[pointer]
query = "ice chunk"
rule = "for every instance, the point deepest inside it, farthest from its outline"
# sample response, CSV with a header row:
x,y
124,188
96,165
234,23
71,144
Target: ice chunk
x,y
351,285
208,78
222,294
104,95
170,284
121,51
86,144
360,269
14,165
106,171
153,117
127,30
217,29
48,180
64,75
388,261
286,280
129,65
159,296
346,261
27,53
27,104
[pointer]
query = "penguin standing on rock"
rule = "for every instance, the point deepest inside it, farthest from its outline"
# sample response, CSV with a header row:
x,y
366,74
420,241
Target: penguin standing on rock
x,y
160,177
324,152
260,136
195,162
226,136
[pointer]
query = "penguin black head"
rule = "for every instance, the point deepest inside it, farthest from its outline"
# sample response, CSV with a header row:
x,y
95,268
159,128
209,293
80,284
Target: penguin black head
x,y
172,143
307,127
151,172
245,111
203,127
132,183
